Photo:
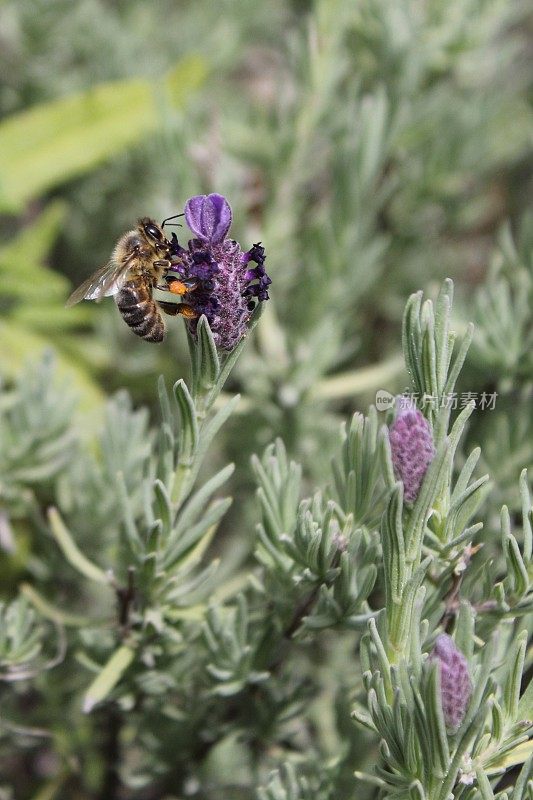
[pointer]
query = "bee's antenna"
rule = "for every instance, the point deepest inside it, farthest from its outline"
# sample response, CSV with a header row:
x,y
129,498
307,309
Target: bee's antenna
x,y
169,218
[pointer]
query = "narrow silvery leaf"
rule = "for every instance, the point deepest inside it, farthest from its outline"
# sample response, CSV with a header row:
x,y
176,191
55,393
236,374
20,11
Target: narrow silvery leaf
x,y
418,634
427,754
401,620
164,402
189,433
230,360
459,360
416,791
163,506
179,545
434,478
49,611
498,723
521,784
212,427
481,678
464,629
511,688
427,356
517,568
108,677
443,306
382,660
71,551
435,718
484,786
386,457
128,517
208,359
459,425
364,719
462,481
392,538
367,583
527,516
199,500
525,705
410,338
465,740
183,590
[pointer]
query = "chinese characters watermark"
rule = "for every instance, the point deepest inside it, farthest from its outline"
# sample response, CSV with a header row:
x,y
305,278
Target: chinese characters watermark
x,y
484,401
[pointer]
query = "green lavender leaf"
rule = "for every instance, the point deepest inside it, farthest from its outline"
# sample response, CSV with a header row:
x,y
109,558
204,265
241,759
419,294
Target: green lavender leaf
x,y
108,677
71,551
64,138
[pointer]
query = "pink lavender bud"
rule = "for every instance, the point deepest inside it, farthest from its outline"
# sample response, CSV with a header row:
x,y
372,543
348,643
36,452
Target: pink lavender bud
x,y
455,683
228,281
412,450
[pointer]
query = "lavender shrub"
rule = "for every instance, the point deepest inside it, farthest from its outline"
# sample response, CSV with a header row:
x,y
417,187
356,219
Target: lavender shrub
x,y
372,573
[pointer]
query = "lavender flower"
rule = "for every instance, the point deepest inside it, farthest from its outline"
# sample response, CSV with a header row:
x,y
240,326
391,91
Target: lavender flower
x,y
226,284
455,683
412,450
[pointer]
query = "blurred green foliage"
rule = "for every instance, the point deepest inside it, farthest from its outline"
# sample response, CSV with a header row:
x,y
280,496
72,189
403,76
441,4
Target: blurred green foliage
x,y
374,146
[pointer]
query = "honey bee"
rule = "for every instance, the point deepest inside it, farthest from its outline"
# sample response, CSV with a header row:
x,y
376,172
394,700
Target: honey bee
x,y
138,264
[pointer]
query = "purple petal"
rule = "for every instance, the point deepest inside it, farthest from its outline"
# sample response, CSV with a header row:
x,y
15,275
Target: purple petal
x,y
208,217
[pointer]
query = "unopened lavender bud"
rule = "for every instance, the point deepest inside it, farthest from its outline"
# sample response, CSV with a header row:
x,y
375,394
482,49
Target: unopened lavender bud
x,y
339,540
412,450
455,683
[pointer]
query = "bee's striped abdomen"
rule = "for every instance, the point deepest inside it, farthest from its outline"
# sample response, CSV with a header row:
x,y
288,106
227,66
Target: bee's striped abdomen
x,y
135,303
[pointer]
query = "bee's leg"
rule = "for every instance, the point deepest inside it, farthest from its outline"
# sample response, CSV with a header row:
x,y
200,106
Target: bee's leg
x,y
169,308
187,311
183,309
163,264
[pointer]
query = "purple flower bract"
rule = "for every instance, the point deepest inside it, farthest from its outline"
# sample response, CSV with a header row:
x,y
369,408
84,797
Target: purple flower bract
x,y
227,280
208,217
455,683
412,450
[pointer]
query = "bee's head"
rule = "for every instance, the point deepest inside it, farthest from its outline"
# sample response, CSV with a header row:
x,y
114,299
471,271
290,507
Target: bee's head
x,y
153,234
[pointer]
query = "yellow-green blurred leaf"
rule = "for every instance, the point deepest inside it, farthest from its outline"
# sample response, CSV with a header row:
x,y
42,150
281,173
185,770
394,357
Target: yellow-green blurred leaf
x,y
517,755
57,141
50,611
71,550
525,705
108,678
23,273
51,318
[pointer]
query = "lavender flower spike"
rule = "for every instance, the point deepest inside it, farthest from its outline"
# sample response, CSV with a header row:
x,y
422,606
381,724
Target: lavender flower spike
x,y
227,282
208,217
455,683
412,450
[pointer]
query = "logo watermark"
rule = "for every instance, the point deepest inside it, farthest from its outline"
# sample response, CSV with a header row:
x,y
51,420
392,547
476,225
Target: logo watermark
x,y
484,401
384,400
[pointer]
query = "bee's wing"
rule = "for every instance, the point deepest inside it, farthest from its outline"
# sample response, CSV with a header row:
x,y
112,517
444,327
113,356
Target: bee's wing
x,y
106,281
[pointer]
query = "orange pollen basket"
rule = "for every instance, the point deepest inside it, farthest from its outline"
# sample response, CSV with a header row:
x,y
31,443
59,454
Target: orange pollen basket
x,y
177,287
187,311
